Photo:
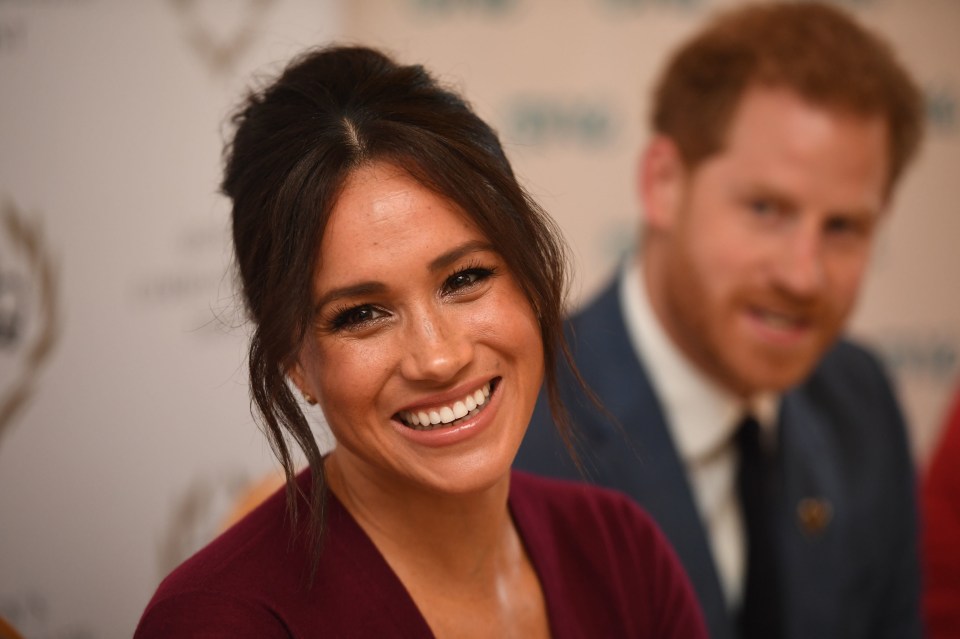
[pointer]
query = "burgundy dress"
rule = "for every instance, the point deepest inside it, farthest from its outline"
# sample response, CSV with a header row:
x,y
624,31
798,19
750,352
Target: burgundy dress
x,y
605,570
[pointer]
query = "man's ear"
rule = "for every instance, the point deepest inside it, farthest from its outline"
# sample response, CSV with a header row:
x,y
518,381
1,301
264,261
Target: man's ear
x,y
660,181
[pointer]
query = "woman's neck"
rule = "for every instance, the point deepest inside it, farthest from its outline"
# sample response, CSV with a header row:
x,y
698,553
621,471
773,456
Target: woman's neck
x,y
459,556
463,535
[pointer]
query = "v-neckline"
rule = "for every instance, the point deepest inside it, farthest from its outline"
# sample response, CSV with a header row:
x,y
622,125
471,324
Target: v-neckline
x,y
400,602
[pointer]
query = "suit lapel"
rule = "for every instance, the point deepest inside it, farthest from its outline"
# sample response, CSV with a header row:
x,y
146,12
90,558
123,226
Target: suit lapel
x,y
812,518
646,465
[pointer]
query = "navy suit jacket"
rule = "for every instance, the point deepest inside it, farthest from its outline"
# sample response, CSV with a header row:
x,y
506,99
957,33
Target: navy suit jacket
x,y
849,557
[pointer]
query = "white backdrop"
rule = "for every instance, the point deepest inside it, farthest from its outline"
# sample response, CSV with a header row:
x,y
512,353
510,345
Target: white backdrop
x,y
124,424
138,431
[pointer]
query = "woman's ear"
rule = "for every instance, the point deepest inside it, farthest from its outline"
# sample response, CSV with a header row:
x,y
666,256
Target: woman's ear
x,y
661,178
298,378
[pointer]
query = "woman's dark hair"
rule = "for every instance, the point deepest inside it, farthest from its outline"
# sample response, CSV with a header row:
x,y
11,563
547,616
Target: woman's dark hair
x,y
329,113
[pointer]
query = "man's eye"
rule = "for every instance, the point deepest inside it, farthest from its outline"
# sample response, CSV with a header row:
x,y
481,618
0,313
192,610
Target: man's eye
x,y
357,316
846,226
762,206
465,279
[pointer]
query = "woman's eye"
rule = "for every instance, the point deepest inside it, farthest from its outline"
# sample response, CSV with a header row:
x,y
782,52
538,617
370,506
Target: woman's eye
x,y
465,279
357,316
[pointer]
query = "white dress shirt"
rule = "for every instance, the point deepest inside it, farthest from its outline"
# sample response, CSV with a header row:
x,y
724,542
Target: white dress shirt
x,y
702,418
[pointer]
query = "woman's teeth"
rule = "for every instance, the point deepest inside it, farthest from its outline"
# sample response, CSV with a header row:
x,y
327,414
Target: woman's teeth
x,y
443,415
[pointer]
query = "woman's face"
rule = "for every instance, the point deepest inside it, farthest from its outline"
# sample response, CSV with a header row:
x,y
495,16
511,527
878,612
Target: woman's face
x,y
425,355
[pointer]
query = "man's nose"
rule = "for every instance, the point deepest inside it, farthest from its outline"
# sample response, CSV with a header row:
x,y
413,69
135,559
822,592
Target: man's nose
x,y
799,264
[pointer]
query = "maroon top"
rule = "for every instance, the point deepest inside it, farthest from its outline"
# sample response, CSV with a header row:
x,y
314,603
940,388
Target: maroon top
x,y
941,533
605,569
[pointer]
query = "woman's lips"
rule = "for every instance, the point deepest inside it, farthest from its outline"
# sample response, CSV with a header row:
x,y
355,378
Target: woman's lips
x,y
446,415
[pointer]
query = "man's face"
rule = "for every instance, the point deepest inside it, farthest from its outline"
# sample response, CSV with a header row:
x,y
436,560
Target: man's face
x,y
755,265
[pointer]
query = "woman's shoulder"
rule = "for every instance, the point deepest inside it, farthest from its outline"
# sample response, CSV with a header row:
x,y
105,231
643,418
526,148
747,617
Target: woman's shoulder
x,y
238,576
596,526
597,547
196,612
258,574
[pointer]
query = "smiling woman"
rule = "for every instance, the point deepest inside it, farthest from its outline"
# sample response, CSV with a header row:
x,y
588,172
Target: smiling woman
x,y
418,314
400,279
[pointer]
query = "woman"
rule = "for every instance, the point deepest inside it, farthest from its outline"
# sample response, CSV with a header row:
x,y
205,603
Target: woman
x,y
400,278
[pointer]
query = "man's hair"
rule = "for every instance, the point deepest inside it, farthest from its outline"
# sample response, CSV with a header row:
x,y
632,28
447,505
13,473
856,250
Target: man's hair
x,y
812,49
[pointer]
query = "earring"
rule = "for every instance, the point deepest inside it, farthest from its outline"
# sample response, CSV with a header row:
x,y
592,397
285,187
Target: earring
x,y
310,399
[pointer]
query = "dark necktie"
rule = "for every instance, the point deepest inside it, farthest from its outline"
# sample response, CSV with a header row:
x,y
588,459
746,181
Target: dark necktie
x,y
757,485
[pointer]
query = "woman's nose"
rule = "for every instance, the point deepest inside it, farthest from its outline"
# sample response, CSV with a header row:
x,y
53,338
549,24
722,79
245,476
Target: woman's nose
x,y
436,347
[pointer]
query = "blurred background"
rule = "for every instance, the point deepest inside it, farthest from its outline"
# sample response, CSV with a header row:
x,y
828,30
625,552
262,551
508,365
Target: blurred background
x,y
125,431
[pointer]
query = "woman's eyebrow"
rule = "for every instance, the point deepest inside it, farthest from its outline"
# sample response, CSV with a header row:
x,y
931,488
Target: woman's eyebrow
x,y
472,246
373,287
359,289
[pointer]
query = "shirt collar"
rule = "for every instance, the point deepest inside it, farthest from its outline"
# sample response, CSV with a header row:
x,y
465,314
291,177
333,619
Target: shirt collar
x,y
700,414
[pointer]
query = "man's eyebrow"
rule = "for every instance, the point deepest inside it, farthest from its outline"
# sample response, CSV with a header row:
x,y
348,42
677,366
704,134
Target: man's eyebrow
x,y
759,189
473,246
359,289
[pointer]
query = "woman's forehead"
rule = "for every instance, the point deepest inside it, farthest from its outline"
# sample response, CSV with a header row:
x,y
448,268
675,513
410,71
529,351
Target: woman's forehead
x,y
384,218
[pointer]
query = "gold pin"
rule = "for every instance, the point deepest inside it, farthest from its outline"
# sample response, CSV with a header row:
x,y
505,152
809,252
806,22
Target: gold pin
x,y
814,515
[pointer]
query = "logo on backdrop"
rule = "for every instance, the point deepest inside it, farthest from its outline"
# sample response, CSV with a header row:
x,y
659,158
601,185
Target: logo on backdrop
x,y
218,50
29,318
194,282
35,613
855,4
926,353
201,512
941,104
697,4
15,27
546,120
451,6
655,4
12,35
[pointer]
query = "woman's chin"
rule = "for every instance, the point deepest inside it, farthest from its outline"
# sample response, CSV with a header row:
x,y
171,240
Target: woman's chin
x,y
432,472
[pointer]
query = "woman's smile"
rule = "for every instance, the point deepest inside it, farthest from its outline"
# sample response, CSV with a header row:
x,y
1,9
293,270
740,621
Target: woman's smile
x,y
431,417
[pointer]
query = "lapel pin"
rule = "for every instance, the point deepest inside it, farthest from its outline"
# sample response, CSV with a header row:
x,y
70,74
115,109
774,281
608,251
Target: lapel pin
x,y
814,515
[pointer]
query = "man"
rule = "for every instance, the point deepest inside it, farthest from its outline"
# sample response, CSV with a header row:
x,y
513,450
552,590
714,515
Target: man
x,y
772,453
